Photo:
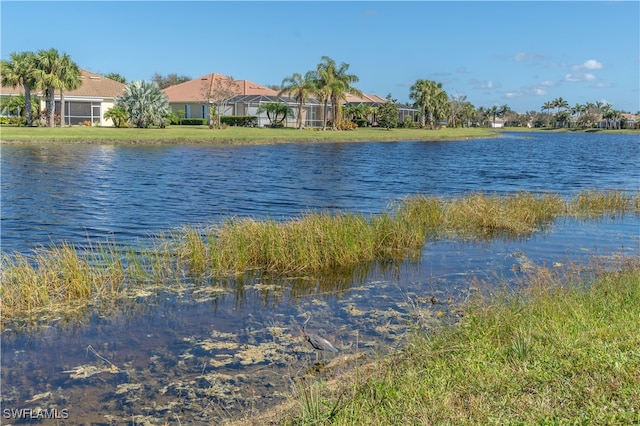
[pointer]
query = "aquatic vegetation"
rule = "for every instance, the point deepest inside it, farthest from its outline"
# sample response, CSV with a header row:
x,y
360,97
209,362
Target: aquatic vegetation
x,y
595,203
64,277
522,213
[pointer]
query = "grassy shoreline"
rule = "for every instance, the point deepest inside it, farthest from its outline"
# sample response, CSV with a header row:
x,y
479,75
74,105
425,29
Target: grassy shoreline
x,y
563,349
63,276
230,135
202,135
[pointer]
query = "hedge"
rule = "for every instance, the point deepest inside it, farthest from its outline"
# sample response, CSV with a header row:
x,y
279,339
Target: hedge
x,y
239,120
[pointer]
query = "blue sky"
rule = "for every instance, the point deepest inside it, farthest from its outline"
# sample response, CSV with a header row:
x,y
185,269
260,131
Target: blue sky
x,y
522,54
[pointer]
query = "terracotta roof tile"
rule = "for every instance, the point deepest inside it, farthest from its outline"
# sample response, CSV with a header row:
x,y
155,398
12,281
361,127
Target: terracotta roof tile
x,y
365,98
196,90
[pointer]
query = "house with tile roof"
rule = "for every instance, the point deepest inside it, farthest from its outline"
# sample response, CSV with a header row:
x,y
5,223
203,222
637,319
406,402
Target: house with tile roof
x,y
88,103
196,97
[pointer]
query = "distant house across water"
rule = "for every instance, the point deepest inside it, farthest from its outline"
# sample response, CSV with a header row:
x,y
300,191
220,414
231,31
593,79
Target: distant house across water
x,y
86,104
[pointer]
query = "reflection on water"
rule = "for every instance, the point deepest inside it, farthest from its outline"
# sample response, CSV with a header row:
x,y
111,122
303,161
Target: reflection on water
x,y
215,352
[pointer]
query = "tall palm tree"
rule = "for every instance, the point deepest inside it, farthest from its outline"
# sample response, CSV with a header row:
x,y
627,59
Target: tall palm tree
x,y
429,97
322,89
144,103
300,88
338,81
560,103
547,106
20,71
49,74
69,80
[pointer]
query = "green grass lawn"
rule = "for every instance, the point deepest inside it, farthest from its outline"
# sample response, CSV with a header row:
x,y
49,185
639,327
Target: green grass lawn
x,y
202,134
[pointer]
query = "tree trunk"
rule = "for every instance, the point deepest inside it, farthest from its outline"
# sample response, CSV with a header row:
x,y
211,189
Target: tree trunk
x,y
61,108
334,113
51,106
324,115
27,105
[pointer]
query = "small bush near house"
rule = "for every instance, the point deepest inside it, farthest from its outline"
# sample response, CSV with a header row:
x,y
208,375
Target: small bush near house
x,y
408,123
347,125
194,122
240,120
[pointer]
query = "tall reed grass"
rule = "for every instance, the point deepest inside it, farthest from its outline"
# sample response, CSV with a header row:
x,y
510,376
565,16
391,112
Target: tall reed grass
x,y
313,243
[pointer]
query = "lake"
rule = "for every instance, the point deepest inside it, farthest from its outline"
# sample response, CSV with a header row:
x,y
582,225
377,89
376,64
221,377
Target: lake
x,y
213,351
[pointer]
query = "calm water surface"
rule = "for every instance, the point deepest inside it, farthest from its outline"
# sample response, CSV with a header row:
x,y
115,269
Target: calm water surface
x,y
215,351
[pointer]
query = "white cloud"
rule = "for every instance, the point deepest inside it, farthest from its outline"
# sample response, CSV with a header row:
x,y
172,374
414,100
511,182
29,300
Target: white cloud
x,y
579,77
529,57
590,64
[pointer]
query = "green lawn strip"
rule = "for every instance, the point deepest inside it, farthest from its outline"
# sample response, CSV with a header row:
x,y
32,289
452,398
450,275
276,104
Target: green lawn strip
x,y
230,135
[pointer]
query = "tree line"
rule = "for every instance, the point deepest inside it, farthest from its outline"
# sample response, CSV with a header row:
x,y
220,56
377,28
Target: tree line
x,y
329,82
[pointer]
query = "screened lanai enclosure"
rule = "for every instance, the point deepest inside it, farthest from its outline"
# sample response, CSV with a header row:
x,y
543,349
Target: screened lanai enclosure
x,y
83,111
249,105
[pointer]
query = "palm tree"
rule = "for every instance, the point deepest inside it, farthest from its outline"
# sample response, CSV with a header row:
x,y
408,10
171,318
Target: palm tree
x,y
49,70
300,88
276,112
20,71
338,82
429,97
547,106
69,79
117,114
144,103
560,103
322,89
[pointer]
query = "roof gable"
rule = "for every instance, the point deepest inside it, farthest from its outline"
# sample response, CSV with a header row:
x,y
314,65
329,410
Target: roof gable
x,y
364,99
197,90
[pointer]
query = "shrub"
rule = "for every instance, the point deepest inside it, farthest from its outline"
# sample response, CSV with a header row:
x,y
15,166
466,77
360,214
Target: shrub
x,y
194,121
240,120
347,125
361,122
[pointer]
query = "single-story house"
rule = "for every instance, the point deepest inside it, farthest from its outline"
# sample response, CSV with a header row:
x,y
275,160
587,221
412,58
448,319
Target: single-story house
x,y
195,98
88,103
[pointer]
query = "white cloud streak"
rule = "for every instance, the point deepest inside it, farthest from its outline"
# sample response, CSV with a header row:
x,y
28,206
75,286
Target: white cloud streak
x,y
590,64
